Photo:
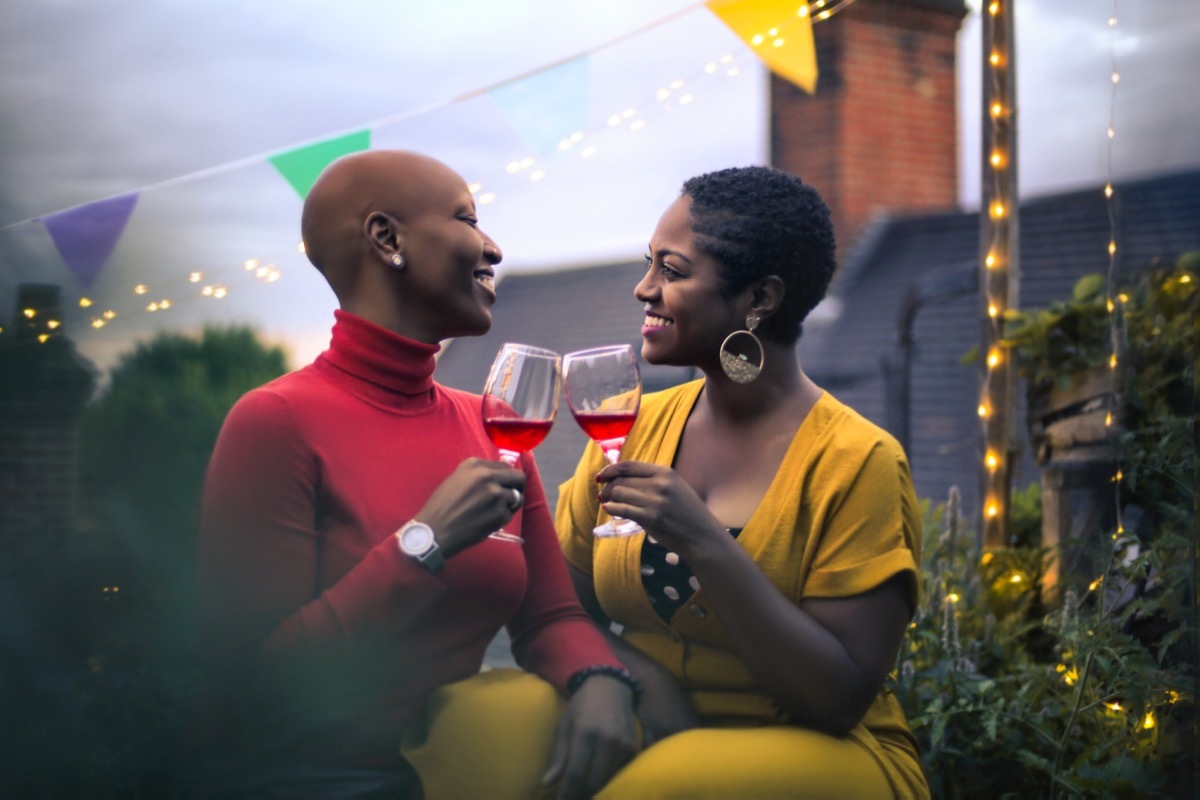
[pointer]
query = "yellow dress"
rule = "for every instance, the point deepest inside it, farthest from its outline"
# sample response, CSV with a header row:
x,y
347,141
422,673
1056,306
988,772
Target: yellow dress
x,y
839,518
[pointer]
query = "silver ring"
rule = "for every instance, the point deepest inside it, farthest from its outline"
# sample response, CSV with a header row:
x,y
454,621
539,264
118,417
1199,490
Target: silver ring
x,y
517,500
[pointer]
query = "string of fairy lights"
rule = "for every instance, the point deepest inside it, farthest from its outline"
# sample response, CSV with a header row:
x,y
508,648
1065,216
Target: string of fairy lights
x,y
999,270
154,297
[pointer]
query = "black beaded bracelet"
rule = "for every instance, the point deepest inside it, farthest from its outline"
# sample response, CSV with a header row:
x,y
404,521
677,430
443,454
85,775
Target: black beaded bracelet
x,y
623,675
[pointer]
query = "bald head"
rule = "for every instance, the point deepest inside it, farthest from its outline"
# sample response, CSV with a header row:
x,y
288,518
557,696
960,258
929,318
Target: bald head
x,y
392,182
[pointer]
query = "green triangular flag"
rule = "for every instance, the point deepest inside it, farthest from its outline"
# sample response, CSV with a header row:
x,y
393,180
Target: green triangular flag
x,y
302,165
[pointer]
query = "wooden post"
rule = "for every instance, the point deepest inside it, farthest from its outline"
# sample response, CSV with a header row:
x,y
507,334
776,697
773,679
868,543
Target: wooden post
x,y
999,269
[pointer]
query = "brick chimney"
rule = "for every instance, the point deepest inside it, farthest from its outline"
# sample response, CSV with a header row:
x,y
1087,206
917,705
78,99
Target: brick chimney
x,y
881,132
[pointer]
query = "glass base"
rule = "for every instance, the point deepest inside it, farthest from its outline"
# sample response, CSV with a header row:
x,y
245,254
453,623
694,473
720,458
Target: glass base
x,y
616,527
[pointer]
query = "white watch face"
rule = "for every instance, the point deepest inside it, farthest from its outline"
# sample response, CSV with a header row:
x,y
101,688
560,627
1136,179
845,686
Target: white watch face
x,y
416,539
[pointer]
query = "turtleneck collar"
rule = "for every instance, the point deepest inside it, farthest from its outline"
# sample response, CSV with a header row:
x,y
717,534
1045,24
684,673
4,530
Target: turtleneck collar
x,y
379,363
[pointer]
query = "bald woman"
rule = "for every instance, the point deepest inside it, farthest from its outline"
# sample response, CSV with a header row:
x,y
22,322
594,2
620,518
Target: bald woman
x,y
349,586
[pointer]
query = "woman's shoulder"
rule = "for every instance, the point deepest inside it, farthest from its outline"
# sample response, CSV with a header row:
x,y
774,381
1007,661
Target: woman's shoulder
x,y
844,429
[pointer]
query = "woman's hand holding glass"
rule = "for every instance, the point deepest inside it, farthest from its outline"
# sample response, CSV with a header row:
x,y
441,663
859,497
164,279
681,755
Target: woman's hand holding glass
x,y
520,401
604,392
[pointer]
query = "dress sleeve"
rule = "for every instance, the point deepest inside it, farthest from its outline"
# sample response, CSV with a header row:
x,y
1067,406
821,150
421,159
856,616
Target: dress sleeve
x,y
872,529
578,509
551,633
258,552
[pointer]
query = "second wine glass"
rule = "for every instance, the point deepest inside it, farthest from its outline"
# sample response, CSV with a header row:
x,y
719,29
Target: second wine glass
x,y
604,392
520,400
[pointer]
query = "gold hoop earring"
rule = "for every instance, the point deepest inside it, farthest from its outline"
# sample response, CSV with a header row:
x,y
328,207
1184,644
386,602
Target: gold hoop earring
x,y
739,366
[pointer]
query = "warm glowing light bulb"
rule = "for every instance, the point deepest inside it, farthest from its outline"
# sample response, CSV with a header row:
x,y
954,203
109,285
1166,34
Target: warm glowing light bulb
x,y
756,39
475,187
1110,305
662,94
164,304
637,125
824,15
952,597
513,167
992,461
194,277
1112,248
778,42
1113,706
994,9
1148,720
1184,279
1108,190
1111,133
1112,361
773,32
250,264
993,312
85,302
588,152
220,292
709,68
733,72
300,248
536,175
802,11
1112,22
43,337
152,307
982,410
994,58
109,314
992,510
993,358
997,159
1124,298
97,323
614,120
990,260
997,109
1116,77
1094,585
29,313
676,84
687,98
1108,420
997,209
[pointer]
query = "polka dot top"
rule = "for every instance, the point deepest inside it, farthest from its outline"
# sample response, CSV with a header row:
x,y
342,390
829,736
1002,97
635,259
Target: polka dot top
x,y
667,578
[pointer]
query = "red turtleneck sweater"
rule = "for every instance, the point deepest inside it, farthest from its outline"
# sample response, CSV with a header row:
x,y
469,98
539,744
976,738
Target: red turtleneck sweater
x,y
321,636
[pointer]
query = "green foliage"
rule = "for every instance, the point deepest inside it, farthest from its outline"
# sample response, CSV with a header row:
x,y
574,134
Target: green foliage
x,y
1093,699
146,443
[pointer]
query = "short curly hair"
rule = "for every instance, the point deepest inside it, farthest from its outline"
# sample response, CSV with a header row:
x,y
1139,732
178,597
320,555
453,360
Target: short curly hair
x,y
758,221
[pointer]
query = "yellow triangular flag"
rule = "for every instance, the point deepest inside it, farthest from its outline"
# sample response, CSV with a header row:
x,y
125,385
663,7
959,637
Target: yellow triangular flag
x,y
779,33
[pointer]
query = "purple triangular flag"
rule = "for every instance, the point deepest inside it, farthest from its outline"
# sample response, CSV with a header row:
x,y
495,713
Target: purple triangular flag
x,y
86,235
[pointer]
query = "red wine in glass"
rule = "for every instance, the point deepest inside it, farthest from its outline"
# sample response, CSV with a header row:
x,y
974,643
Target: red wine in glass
x,y
520,400
604,391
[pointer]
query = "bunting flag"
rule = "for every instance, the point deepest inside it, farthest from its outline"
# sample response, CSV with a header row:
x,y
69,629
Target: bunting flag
x,y
302,165
547,106
87,235
779,33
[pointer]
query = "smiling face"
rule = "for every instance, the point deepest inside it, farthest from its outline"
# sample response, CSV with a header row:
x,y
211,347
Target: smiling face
x,y
687,316
369,209
448,282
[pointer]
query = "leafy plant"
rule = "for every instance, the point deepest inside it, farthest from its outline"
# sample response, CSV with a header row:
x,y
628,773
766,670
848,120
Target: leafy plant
x,y
1093,699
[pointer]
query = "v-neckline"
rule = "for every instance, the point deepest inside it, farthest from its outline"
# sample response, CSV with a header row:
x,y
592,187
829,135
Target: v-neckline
x,y
684,410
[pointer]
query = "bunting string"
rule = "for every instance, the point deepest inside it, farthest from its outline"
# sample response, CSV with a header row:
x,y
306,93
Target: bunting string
x,y
776,33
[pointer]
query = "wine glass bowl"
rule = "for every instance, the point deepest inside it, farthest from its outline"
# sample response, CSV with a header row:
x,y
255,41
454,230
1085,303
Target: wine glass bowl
x,y
604,393
520,401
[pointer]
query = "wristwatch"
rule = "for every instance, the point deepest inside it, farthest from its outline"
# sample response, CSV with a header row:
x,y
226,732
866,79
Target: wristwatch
x,y
418,543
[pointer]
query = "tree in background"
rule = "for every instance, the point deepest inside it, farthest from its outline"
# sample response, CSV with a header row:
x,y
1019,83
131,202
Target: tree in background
x,y
146,443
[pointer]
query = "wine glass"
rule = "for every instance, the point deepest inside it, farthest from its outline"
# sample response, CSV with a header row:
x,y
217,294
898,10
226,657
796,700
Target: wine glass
x,y
520,400
604,391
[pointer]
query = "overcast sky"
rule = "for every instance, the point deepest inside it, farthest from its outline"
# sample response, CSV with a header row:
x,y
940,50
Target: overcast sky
x,y
101,97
